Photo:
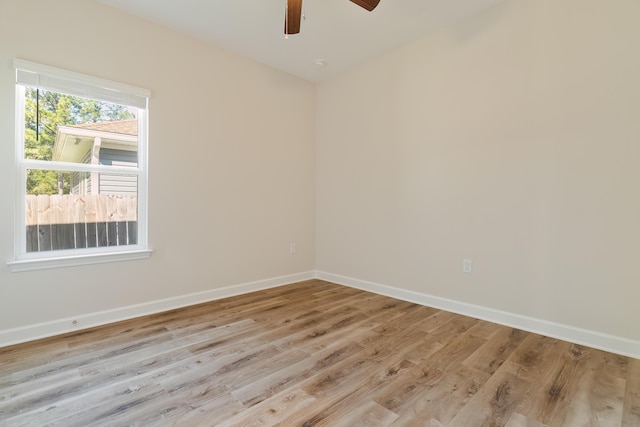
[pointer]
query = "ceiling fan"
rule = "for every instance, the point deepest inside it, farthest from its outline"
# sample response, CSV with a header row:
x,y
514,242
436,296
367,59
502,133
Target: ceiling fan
x,y
294,13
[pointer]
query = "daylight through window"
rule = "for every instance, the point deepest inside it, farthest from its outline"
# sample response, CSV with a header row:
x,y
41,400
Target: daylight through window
x,y
81,144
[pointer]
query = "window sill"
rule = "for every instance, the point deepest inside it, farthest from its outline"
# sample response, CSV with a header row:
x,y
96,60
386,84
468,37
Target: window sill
x,y
71,261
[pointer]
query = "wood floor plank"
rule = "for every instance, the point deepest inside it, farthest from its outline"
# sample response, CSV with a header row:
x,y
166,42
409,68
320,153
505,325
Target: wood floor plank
x,y
631,409
493,353
273,411
274,383
365,414
94,407
208,411
343,387
313,354
557,376
439,396
361,393
494,403
519,420
431,372
436,320
599,397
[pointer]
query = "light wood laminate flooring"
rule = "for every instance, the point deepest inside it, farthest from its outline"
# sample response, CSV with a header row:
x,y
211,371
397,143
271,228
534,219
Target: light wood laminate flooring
x,y
314,353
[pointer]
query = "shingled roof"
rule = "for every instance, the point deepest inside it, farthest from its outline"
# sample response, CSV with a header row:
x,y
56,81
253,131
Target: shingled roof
x,y
123,127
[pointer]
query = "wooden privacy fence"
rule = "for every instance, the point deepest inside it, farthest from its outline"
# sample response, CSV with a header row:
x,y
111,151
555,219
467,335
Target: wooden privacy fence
x,y
80,221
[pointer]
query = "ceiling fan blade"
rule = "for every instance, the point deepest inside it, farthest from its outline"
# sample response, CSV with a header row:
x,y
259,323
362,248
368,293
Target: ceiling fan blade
x,y
367,4
292,18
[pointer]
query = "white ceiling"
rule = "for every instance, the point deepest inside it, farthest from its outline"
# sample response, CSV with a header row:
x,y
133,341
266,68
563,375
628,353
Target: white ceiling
x,y
336,31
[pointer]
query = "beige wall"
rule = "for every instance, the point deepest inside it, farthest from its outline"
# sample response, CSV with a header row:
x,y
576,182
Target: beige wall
x,y
229,187
512,139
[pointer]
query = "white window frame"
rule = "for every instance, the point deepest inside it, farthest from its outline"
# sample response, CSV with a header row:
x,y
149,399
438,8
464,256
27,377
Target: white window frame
x,y
30,74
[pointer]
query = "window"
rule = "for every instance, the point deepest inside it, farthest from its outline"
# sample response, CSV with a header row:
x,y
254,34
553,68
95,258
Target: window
x,y
81,162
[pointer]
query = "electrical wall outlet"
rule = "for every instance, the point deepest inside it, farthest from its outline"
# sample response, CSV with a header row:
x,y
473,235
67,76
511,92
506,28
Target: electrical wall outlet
x,y
292,248
467,266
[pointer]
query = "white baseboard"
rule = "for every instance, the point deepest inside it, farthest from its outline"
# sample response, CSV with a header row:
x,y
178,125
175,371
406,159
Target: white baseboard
x,y
62,326
610,343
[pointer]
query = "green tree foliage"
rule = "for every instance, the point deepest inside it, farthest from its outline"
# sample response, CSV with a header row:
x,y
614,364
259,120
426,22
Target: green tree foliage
x,y
44,112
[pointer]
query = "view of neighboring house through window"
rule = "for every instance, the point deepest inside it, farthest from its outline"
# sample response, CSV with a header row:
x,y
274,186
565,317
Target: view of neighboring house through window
x,y
81,162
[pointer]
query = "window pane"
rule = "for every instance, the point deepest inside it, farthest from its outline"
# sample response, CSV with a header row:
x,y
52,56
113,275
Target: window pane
x,y
86,210
71,129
